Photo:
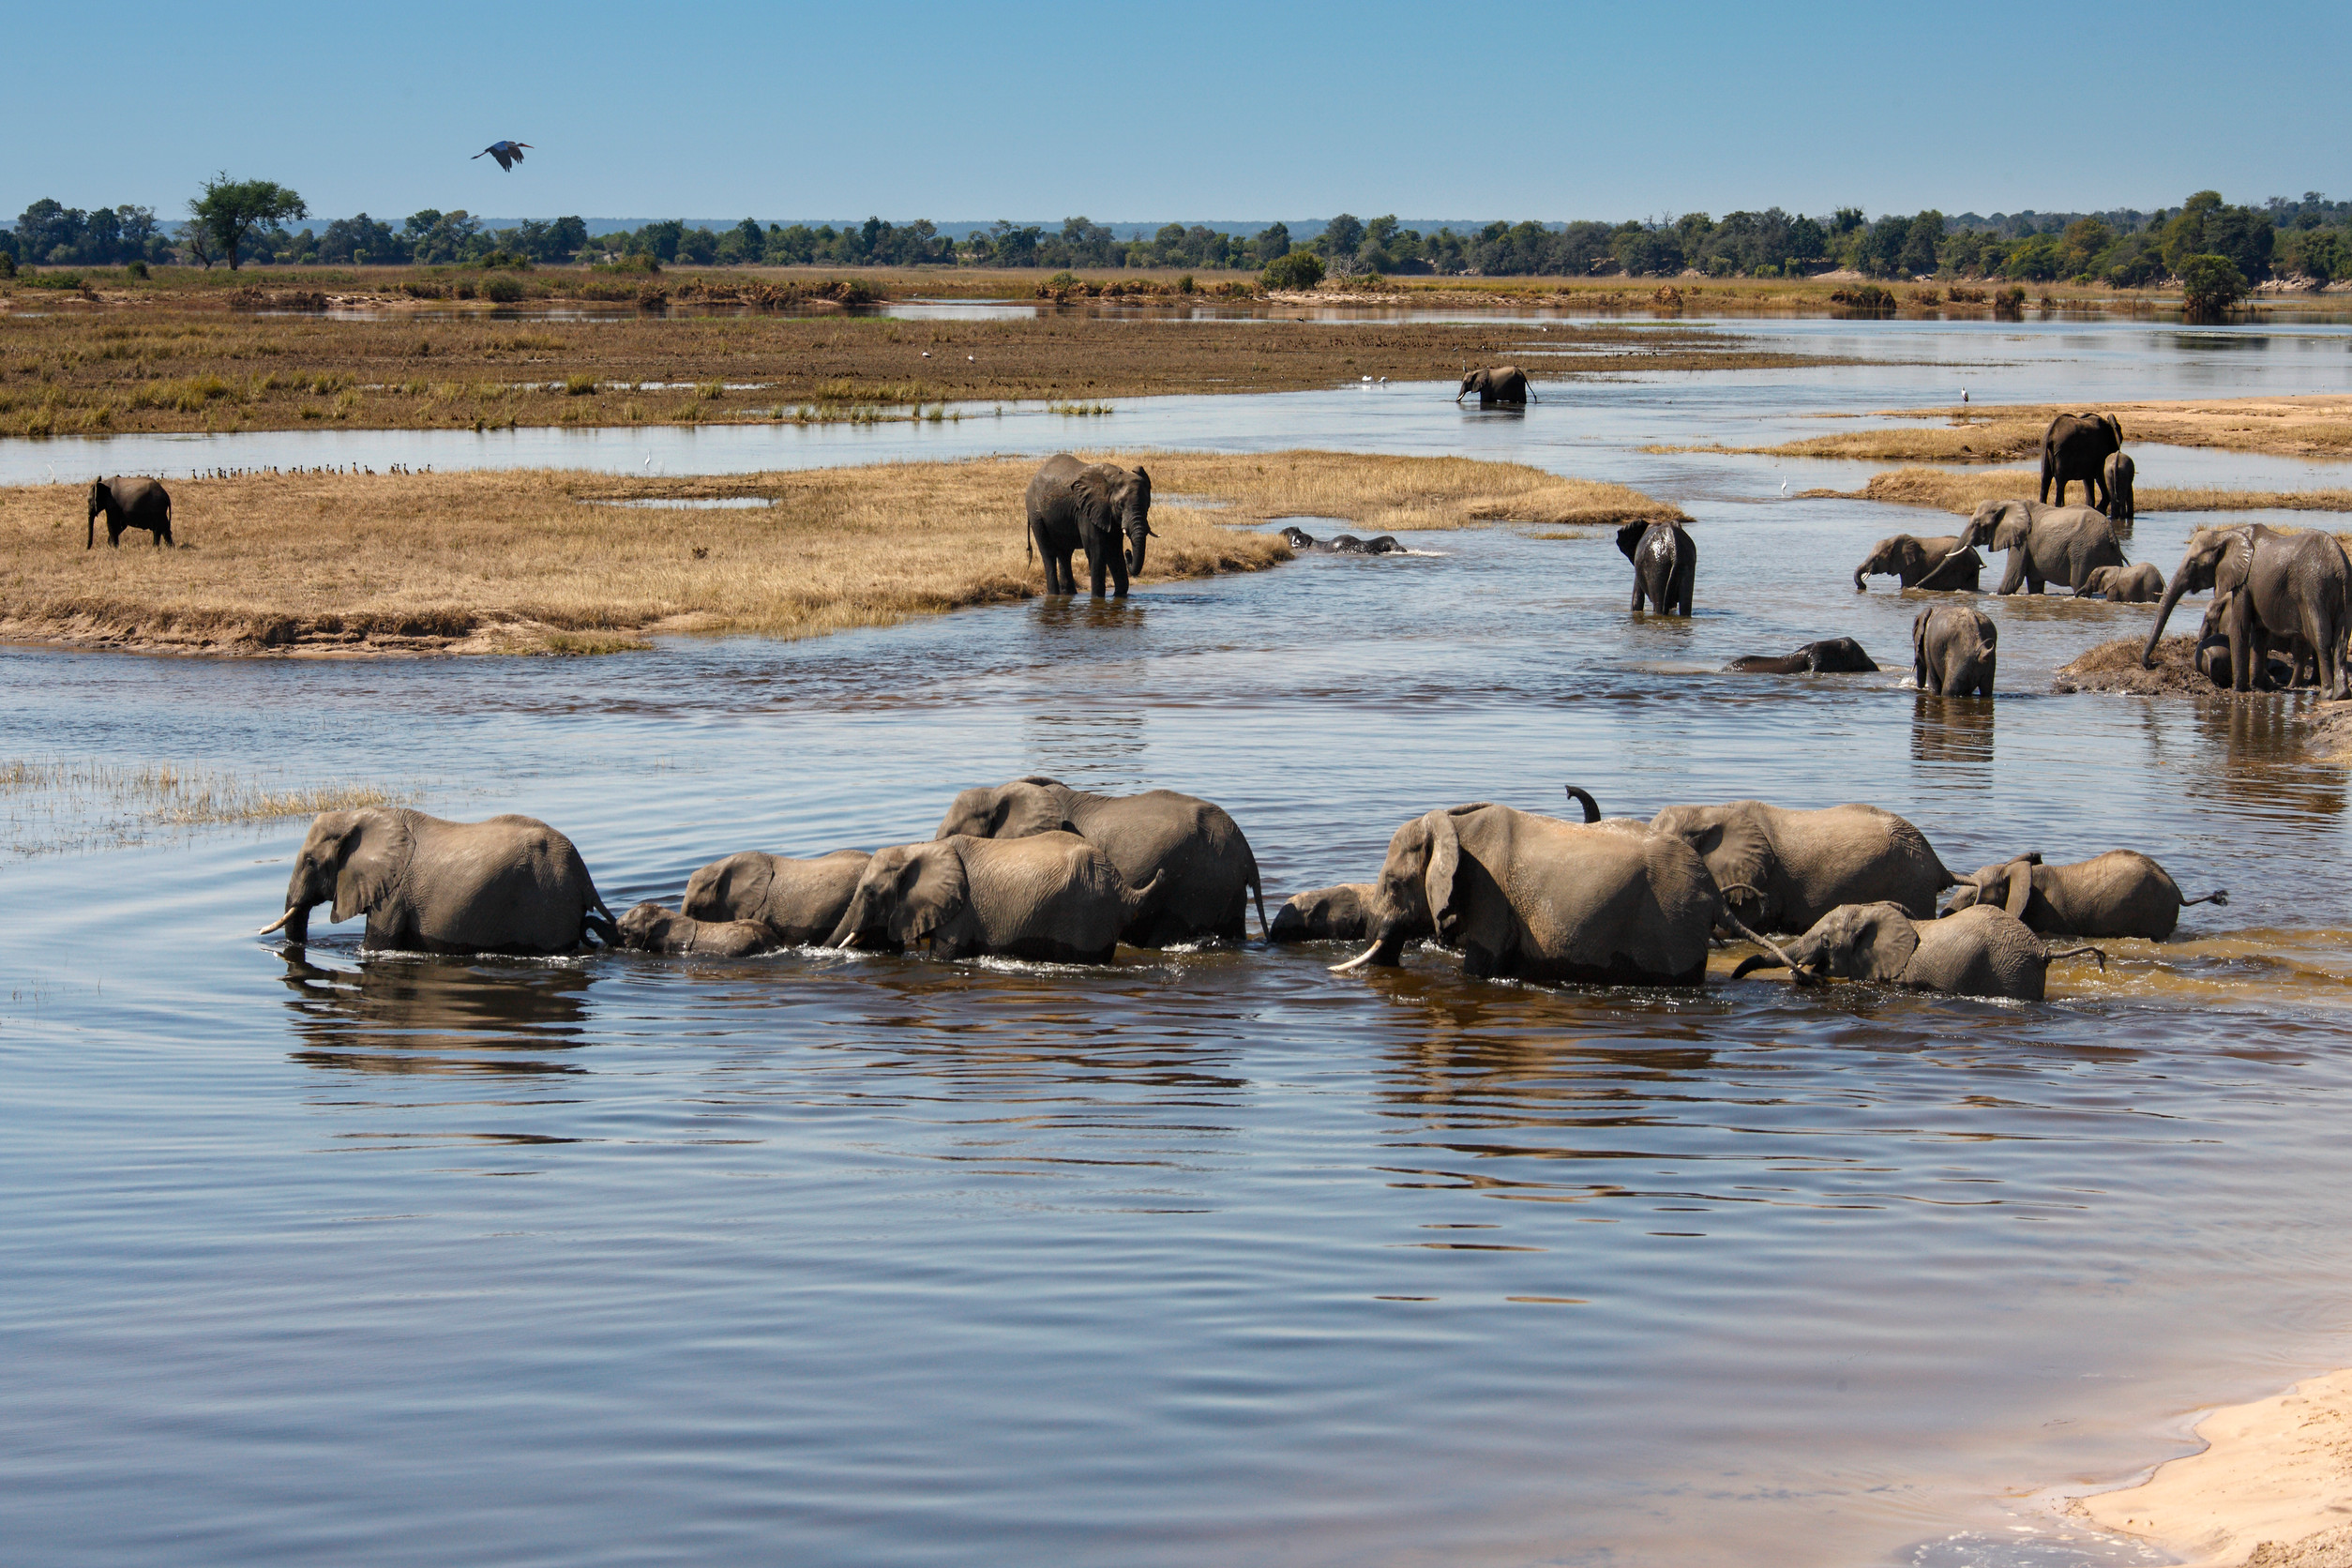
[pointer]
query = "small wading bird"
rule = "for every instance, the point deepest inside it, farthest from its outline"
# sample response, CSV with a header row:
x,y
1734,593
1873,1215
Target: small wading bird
x,y
507,153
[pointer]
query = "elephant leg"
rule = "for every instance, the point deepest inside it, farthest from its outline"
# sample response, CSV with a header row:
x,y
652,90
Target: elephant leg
x,y
1097,567
1637,593
115,534
1688,582
1117,560
2241,656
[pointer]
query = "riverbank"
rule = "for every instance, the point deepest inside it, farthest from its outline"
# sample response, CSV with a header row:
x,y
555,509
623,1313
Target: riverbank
x,y
1963,490
2315,426
538,561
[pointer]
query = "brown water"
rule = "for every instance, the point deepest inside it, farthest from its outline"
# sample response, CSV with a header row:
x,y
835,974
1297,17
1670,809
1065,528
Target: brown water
x,y
1209,1256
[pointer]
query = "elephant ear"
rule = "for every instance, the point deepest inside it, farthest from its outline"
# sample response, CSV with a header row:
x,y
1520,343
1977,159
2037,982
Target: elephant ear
x,y
2010,527
1740,858
1027,808
2020,888
741,888
1629,538
374,854
1884,941
933,891
1142,488
1912,556
1444,869
1094,498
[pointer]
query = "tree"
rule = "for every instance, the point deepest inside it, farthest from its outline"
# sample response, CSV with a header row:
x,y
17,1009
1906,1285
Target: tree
x,y
1294,271
2209,285
1341,236
230,211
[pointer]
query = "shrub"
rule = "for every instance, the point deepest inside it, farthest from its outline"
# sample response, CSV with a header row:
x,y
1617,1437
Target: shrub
x,y
1869,300
56,280
582,386
502,290
1299,270
136,269
2209,285
7,265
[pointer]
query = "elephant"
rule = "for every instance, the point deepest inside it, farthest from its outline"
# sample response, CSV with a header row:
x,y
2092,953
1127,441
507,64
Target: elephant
x,y
511,884
2045,544
1781,869
1341,544
1341,913
1051,896
2273,672
800,902
1980,951
129,503
1075,505
2119,474
2120,893
1943,563
1837,656
1195,845
1954,650
1504,384
1665,564
2076,446
648,927
2143,583
2285,586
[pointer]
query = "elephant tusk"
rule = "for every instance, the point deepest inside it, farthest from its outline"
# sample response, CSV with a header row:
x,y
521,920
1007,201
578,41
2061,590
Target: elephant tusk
x,y
1359,960
279,924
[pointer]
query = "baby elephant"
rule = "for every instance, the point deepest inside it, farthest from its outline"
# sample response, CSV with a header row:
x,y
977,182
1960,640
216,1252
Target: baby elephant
x,y
2121,470
799,900
2120,893
2143,583
1928,562
1838,656
1341,544
1341,913
648,927
1982,950
1954,648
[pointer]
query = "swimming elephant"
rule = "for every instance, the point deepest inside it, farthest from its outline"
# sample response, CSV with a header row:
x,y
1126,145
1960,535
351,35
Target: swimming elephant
x,y
2140,584
1954,651
1075,505
1199,849
1051,896
2046,544
128,502
1942,564
511,884
1665,564
1341,913
1503,384
799,901
648,927
2286,586
1837,656
1782,869
2076,446
1983,951
2120,893
2119,473
1340,544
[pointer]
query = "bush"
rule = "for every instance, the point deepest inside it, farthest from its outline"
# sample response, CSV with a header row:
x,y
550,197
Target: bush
x,y
55,280
1870,298
136,269
7,265
1299,270
2209,285
503,289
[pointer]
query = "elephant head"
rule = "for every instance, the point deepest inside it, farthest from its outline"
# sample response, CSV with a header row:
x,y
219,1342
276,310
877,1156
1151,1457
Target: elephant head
x,y
1853,942
909,893
1113,501
353,857
1013,810
647,928
1998,524
1415,895
100,498
1473,381
1900,556
2008,884
2216,558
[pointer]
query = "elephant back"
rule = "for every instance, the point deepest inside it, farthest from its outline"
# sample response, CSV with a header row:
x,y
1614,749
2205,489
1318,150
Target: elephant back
x,y
1979,951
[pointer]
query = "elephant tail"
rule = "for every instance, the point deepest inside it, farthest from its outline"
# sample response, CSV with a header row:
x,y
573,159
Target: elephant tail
x,y
2055,954
1258,892
598,918
2219,897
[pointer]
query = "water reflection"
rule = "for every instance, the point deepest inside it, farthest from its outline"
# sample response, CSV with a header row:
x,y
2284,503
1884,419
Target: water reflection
x,y
1953,736
428,1015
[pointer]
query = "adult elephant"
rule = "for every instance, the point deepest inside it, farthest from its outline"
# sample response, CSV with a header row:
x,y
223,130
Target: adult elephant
x,y
1982,950
1665,564
1340,914
1075,505
2076,446
2286,586
1194,844
2120,893
1955,651
1941,563
2139,583
1836,656
1051,896
1504,384
2046,544
1782,869
2119,473
128,502
799,900
511,884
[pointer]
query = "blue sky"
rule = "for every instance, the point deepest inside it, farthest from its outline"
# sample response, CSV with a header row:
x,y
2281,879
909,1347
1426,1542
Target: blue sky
x,y
1201,110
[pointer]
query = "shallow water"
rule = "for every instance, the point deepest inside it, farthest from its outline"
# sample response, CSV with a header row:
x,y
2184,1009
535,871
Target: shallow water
x,y
1207,1255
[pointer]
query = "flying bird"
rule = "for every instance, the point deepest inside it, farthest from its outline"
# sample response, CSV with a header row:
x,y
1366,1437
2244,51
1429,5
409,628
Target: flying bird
x,y
507,153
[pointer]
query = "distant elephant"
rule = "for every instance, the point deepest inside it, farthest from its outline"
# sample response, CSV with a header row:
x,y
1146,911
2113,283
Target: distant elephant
x,y
1341,544
1982,950
2285,586
2139,583
2045,544
648,927
1503,384
1075,505
1341,913
2076,446
1194,845
1837,656
2273,672
128,502
511,884
1665,564
800,902
1051,896
1954,651
2120,893
1941,563
1782,869
2119,474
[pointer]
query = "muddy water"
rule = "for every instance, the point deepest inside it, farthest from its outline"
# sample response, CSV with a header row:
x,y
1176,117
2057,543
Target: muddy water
x,y
1207,1255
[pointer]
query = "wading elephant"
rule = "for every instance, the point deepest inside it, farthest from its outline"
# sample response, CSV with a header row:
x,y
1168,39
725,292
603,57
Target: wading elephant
x,y
648,927
1208,871
1341,913
1051,896
2046,544
799,901
2139,583
1781,869
1954,651
2120,893
511,884
1665,564
2273,670
2077,447
1837,656
1940,562
128,502
1075,505
1504,384
2285,586
2119,471
1982,950
1340,544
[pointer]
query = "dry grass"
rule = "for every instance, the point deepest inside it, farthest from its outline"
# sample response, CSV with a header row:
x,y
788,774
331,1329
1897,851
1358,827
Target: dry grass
x,y
1961,493
2312,426
526,562
46,806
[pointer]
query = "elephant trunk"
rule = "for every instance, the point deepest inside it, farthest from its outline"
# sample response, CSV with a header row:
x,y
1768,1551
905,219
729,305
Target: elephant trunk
x,y
2173,591
1860,586
1139,531
853,921
1780,956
